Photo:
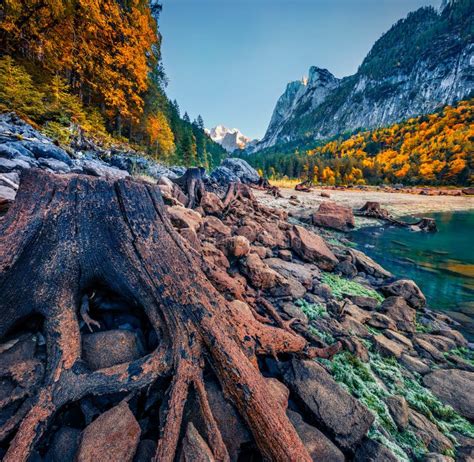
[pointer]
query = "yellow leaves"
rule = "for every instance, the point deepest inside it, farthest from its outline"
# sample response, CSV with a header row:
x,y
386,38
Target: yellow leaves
x,y
106,45
438,148
328,176
160,135
456,166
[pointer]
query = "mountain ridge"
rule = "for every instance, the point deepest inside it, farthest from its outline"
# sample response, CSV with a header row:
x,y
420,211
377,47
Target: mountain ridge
x,y
422,62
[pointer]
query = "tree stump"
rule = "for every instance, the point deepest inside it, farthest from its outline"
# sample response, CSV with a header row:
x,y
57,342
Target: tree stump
x,y
304,186
374,210
192,184
66,234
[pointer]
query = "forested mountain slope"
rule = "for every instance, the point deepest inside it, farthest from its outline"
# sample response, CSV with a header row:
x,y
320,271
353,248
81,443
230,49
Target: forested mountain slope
x,y
423,62
430,149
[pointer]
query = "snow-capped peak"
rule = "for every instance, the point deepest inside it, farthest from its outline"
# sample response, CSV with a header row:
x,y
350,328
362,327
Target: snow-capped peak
x,y
229,138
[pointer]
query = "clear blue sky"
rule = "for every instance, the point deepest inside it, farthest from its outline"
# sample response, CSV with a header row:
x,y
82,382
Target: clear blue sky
x,y
230,60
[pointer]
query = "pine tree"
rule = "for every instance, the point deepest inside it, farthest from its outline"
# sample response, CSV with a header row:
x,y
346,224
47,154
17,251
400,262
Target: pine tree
x,y
189,150
17,91
200,122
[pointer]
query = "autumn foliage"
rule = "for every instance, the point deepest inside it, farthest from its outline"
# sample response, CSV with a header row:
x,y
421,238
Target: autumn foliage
x,y
103,49
88,67
434,149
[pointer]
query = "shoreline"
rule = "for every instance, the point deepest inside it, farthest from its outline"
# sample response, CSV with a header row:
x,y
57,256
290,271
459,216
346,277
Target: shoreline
x,y
398,204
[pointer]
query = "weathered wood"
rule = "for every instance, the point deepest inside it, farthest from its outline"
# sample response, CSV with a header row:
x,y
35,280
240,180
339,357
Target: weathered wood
x,y
374,210
192,185
66,233
304,186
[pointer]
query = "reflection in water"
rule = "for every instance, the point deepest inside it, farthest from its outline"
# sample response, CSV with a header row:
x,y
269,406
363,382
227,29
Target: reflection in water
x,y
442,263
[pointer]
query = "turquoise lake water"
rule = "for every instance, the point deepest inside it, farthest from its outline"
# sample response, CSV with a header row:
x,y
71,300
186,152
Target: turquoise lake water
x,y
441,263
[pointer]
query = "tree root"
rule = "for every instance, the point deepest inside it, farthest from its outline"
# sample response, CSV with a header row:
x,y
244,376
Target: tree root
x,y
77,230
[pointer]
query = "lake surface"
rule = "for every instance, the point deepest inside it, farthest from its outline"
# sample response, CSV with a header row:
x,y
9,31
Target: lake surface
x,y
441,263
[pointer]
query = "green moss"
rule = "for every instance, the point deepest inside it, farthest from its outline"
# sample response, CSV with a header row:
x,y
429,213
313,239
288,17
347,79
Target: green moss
x,y
422,328
382,377
312,310
373,330
341,287
361,382
464,353
324,336
420,398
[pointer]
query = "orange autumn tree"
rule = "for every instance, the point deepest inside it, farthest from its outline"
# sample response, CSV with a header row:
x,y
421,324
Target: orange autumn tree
x,y
160,135
103,49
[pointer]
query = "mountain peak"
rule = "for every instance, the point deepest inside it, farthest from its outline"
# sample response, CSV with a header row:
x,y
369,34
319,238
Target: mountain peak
x,y
318,75
229,138
423,61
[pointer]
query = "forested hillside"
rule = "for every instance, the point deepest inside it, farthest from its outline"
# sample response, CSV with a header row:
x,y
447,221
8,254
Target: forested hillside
x,y
422,62
431,149
83,67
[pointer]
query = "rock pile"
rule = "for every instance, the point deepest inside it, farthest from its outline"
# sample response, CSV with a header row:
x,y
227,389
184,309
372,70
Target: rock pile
x,y
331,293
391,379
23,147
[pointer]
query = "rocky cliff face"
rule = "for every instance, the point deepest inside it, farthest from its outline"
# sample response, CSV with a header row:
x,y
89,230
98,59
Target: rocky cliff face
x,y
423,62
229,138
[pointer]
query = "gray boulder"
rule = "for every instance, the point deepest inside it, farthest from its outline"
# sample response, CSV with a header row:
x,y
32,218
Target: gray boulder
x,y
56,166
18,148
7,196
235,170
10,151
99,168
367,265
64,445
130,163
13,165
47,150
343,417
454,387
158,171
373,451
178,170
407,289
12,127
224,176
317,444
108,348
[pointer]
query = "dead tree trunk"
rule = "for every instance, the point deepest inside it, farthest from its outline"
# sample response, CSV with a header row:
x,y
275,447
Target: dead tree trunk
x,y
374,210
63,234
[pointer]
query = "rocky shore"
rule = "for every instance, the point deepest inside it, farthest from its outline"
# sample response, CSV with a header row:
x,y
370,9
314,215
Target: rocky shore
x,y
379,376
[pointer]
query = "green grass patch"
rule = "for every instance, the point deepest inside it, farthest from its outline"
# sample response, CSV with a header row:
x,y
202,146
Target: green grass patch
x,y
341,287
